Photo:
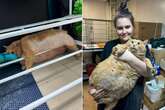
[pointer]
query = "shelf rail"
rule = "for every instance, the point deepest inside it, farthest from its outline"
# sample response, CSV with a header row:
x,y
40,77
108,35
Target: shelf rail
x,y
21,30
38,67
21,59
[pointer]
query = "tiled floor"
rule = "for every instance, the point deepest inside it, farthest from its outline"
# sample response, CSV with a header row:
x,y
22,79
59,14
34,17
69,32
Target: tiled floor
x,y
57,75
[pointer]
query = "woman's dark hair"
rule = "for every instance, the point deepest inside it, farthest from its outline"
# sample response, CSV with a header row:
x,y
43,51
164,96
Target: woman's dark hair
x,y
123,12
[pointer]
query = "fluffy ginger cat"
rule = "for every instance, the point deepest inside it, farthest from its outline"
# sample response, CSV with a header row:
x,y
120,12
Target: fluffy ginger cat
x,y
115,77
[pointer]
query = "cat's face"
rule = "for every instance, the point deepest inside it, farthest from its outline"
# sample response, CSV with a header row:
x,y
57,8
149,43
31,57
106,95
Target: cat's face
x,y
14,48
137,47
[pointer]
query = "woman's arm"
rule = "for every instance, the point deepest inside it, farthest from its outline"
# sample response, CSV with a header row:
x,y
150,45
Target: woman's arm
x,y
136,63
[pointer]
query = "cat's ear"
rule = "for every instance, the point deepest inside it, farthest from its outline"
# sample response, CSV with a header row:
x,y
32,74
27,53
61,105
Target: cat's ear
x,y
145,42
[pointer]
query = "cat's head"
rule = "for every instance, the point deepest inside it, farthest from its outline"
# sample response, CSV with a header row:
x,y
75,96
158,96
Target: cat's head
x,y
14,47
137,47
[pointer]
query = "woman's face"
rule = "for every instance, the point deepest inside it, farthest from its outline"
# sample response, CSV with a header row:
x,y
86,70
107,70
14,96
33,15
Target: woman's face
x,y
124,29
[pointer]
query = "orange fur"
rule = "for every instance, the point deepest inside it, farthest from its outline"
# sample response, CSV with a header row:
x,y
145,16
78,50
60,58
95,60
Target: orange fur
x,y
51,42
115,77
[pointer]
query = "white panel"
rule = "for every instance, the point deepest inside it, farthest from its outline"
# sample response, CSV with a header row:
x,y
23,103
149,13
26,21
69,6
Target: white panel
x,y
95,9
148,10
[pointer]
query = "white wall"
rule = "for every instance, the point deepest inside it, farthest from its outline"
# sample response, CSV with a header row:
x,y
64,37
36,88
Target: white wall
x,y
95,31
94,9
143,11
148,10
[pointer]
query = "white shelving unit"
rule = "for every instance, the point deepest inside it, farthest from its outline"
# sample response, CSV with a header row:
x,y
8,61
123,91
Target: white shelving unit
x,y
13,32
21,30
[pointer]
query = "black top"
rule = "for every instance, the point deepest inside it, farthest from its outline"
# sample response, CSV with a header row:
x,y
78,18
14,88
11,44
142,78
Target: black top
x,y
108,48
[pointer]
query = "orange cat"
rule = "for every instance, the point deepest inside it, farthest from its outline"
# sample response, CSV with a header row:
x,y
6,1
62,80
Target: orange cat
x,y
116,77
42,46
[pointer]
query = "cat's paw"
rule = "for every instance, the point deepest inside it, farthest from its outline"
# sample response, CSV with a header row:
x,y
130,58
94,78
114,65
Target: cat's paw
x,y
119,50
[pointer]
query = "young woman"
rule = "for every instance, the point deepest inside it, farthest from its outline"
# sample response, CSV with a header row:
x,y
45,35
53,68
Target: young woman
x,y
124,25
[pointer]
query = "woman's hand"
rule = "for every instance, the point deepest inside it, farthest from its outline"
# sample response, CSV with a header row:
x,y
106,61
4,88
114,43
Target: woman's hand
x,y
127,56
97,94
135,63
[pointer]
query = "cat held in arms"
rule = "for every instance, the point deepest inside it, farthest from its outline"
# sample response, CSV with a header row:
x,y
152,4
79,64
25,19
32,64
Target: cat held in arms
x,y
115,77
42,46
